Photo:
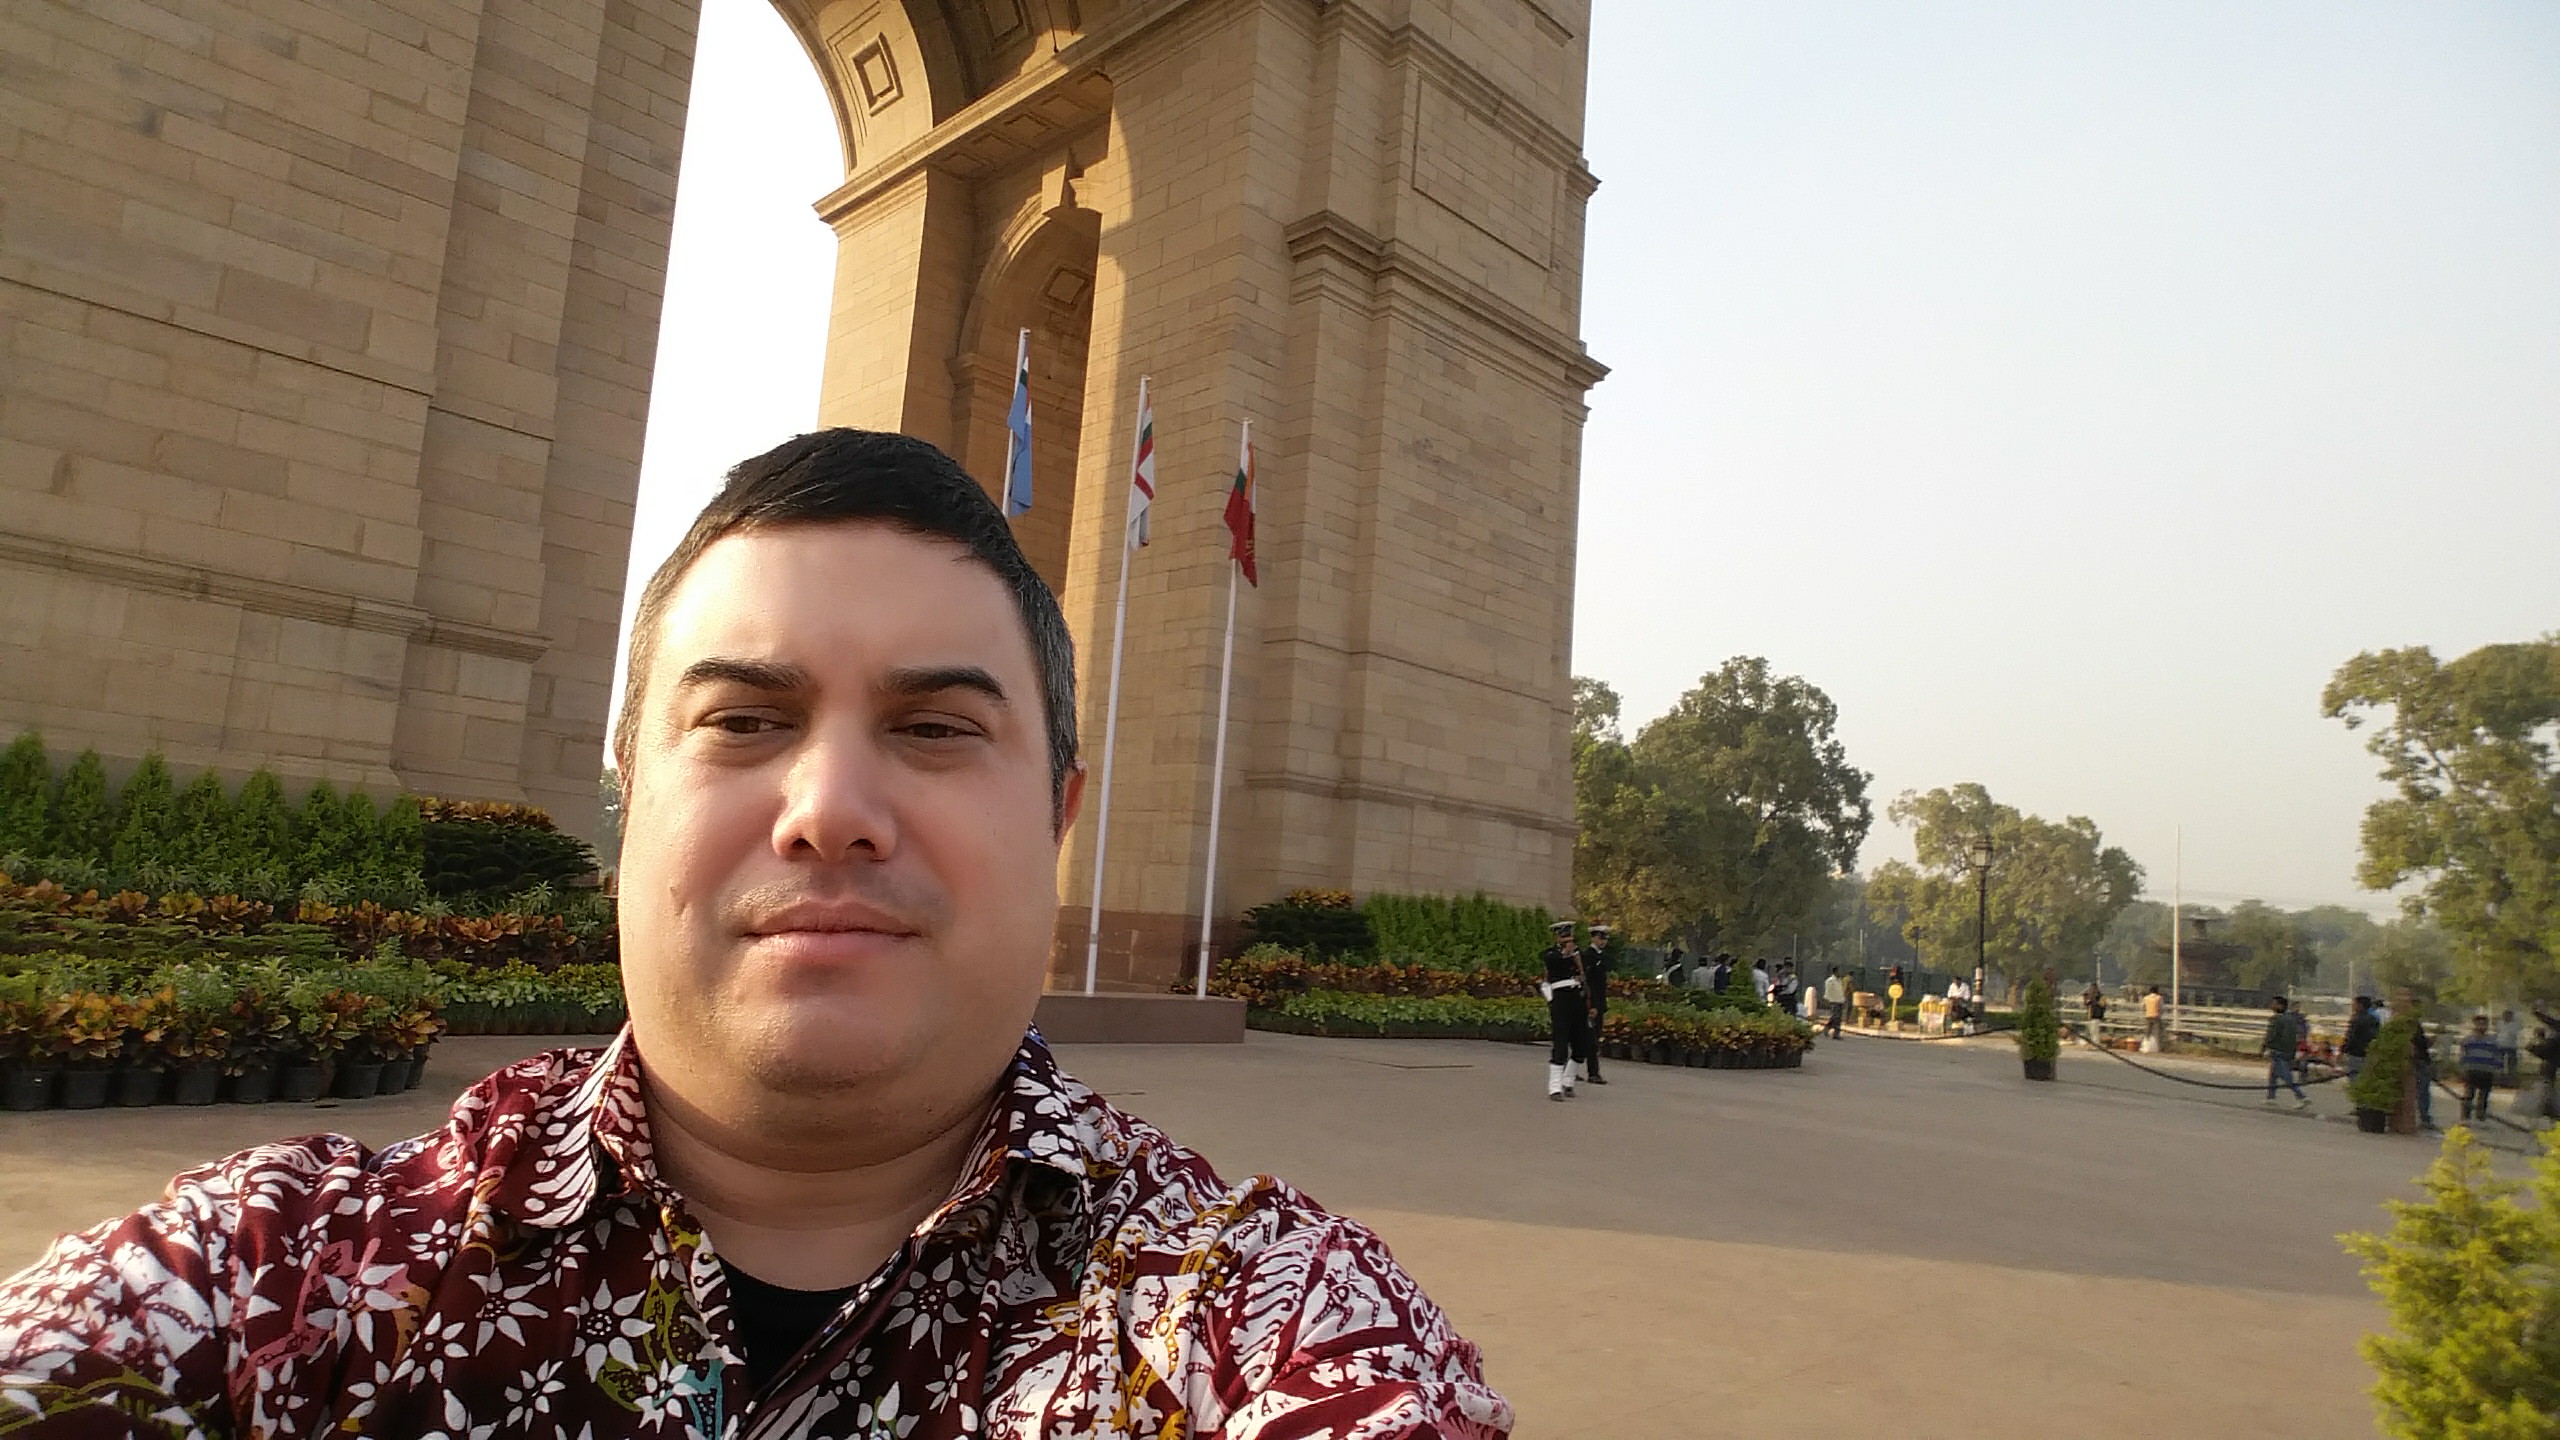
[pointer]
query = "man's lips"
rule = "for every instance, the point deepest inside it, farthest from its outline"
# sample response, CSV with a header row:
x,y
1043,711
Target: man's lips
x,y
829,918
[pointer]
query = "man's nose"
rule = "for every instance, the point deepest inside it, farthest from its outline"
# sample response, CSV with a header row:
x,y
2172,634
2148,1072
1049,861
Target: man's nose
x,y
837,801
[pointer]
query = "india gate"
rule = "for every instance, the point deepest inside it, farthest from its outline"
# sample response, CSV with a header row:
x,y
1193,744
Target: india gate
x,y
327,328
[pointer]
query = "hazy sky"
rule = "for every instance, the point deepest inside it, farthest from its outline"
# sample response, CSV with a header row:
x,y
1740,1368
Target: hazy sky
x,y
2065,388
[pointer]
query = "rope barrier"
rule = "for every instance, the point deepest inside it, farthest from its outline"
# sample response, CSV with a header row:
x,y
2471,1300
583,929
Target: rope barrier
x,y
2074,1032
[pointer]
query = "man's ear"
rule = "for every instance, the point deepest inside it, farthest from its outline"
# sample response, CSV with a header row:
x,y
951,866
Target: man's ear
x,y
1070,802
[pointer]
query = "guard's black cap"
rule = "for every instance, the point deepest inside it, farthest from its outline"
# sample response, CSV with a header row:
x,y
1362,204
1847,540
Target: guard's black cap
x,y
1562,927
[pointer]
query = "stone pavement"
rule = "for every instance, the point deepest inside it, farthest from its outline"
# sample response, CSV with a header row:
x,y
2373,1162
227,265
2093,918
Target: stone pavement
x,y
1898,1239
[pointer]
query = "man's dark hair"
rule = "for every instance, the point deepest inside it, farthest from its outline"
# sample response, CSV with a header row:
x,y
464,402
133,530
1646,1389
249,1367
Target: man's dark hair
x,y
842,475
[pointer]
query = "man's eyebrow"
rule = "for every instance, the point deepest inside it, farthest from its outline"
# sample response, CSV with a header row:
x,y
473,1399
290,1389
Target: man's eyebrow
x,y
754,674
914,681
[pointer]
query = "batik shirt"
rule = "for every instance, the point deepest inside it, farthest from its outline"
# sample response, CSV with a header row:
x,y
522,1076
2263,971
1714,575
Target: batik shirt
x,y
526,1272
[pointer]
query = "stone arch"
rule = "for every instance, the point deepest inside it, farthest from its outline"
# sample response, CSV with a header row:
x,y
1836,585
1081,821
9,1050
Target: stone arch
x,y
1038,277
894,69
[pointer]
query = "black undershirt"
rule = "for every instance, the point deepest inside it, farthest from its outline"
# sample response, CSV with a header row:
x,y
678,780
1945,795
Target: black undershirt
x,y
773,1323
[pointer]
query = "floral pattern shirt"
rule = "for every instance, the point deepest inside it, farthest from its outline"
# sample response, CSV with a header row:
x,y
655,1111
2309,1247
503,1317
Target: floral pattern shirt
x,y
524,1272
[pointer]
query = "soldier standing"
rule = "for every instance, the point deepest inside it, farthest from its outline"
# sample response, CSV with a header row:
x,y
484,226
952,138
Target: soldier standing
x,y
1568,1014
1596,965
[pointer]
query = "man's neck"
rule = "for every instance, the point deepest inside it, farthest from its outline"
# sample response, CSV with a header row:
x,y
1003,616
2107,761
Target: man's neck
x,y
800,1215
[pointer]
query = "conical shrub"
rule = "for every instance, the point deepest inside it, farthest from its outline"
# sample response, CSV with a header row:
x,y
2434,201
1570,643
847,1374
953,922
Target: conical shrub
x,y
26,785
81,824
201,826
146,817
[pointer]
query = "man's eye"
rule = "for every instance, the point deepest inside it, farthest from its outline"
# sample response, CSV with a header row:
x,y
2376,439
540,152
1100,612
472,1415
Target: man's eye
x,y
743,724
934,730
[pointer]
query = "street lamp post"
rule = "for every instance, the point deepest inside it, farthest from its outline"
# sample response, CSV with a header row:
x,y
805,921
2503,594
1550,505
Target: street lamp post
x,y
1981,855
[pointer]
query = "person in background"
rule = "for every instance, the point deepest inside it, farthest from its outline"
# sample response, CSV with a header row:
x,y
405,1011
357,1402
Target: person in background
x,y
2094,1000
2546,1053
1760,979
2480,1058
2153,1030
1568,1014
2283,1039
2361,1026
1835,998
1597,963
2422,1059
1721,977
1675,971
2510,1042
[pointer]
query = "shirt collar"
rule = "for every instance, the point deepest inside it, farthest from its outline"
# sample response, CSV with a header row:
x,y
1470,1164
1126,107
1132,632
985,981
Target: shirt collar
x,y
587,1137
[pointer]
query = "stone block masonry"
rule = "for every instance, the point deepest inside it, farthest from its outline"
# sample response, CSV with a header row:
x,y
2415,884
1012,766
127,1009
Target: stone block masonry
x,y
326,335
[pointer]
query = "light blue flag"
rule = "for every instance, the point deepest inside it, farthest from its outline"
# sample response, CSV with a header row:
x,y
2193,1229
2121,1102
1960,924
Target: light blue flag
x,y
1017,424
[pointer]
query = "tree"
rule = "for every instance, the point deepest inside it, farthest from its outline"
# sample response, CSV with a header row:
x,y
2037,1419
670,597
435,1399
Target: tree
x,y
2055,888
146,817
26,790
2472,751
1726,819
201,820
2280,952
82,825
262,827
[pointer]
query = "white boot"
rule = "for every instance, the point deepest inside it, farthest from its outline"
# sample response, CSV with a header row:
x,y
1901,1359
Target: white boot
x,y
1558,1087
1581,1071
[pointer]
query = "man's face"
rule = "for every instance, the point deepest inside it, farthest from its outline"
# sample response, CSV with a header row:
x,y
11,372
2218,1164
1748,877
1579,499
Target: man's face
x,y
839,868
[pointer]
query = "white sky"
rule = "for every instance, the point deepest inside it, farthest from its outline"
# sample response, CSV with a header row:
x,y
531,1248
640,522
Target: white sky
x,y
2065,388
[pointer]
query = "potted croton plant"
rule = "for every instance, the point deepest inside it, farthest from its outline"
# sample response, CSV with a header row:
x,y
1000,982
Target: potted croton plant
x,y
2039,1030
262,1031
31,1017
91,1038
140,1064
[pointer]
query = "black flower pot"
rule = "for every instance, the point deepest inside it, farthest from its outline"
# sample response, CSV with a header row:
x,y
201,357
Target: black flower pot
x,y
254,1087
196,1085
2037,1069
30,1087
2373,1122
138,1085
395,1077
302,1082
417,1071
86,1089
358,1079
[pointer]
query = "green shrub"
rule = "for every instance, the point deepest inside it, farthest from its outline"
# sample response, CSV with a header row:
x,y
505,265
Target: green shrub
x,y
146,817
2039,1026
1312,929
400,841
26,786
2385,1077
261,837
1470,929
2472,1281
82,825
475,857
200,820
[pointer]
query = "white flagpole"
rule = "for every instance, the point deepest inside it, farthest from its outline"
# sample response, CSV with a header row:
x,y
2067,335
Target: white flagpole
x,y
1218,765
1111,718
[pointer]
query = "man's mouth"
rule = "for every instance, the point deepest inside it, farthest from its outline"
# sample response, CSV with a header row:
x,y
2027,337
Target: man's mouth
x,y
830,917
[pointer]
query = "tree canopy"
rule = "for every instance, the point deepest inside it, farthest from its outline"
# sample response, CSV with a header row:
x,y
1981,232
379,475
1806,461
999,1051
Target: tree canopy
x,y
2055,888
1722,822
2471,749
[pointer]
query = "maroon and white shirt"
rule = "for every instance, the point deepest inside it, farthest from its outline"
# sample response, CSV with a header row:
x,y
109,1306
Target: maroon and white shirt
x,y
523,1272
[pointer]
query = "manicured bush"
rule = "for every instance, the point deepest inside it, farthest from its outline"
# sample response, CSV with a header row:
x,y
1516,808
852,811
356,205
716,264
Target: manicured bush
x,y
2472,1282
476,857
1471,930
1319,924
26,793
82,822
200,825
2385,1077
261,834
2039,1029
146,817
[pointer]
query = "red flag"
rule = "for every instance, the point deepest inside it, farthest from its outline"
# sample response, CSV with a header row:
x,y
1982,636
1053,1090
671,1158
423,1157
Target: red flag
x,y
1240,510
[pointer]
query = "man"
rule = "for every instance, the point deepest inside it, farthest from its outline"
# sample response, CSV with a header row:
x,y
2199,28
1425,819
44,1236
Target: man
x,y
1760,979
1568,1013
2155,1034
1602,958
2480,1061
1835,1000
1721,977
2283,1040
2510,1042
2422,1059
2094,1001
1675,970
2361,1028
826,1183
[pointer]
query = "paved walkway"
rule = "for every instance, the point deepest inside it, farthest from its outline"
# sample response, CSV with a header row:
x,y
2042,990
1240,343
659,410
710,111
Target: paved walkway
x,y
1898,1239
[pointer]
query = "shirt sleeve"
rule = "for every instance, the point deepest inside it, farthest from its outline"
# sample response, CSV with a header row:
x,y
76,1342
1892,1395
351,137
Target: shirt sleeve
x,y
1333,1340
137,1326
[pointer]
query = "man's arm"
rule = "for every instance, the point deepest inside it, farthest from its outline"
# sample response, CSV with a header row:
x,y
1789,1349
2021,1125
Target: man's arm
x,y
137,1326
